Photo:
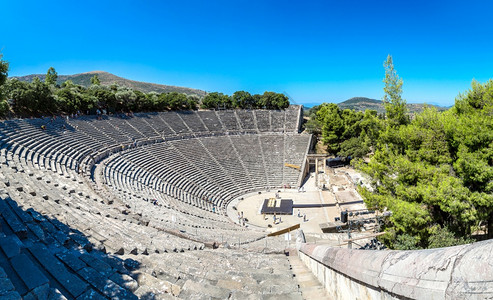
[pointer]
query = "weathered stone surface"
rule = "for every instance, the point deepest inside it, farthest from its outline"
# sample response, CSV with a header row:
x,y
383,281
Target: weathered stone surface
x,y
229,284
61,237
28,272
2,273
82,241
38,232
97,264
159,286
56,295
472,273
46,225
91,295
40,292
125,281
62,227
131,263
71,261
205,289
104,285
115,262
288,296
24,216
461,272
146,293
13,295
5,286
240,295
9,246
69,281
17,227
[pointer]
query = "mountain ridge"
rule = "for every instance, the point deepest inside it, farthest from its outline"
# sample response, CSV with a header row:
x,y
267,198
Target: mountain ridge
x,y
363,103
107,78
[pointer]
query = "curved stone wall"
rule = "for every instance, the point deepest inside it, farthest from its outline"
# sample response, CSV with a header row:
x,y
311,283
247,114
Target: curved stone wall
x,y
460,272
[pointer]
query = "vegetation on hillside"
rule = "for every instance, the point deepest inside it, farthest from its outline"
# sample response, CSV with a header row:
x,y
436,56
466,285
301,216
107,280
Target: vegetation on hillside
x,y
84,79
434,172
345,132
242,99
37,98
362,104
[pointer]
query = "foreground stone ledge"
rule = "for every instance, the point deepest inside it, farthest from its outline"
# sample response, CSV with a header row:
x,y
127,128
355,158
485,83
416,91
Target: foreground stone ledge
x,y
460,272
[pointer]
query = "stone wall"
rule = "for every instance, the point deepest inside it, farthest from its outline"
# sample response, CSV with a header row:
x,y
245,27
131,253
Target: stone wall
x,y
460,272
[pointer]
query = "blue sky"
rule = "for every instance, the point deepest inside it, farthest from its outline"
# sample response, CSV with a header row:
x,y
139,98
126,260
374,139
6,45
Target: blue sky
x,y
315,51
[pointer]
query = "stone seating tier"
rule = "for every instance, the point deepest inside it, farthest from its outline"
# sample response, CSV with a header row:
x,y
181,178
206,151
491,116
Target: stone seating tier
x,y
43,258
85,194
212,168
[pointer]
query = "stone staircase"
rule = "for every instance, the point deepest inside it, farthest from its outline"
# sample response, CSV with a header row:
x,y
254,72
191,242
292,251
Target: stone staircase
x,y
309,285
225,274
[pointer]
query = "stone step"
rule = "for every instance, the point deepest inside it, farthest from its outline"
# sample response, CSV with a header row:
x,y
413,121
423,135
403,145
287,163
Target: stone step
x,y
91,295
35,281
287,296
105,286
73,284
7,290
9,246
192,289
17,226
157,286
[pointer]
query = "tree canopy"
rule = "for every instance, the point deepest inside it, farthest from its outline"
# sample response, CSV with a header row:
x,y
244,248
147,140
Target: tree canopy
x,y
345,132
436,173
51,76
4,72
95,80
395,106
242,99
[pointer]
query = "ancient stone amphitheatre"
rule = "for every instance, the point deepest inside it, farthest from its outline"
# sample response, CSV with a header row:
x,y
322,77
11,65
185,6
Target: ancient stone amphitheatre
x,y
145,206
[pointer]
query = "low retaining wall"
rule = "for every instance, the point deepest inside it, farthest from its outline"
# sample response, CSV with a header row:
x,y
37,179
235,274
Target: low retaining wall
x,y
460,272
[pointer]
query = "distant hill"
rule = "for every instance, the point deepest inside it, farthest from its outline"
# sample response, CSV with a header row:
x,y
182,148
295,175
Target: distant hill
x,y
106,78
362,104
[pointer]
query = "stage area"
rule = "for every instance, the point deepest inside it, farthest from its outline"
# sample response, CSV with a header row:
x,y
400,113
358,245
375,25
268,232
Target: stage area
x,y
273,206
310,208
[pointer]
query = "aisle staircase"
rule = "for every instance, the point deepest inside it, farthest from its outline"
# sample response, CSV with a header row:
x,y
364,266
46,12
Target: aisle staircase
x,y
309,285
